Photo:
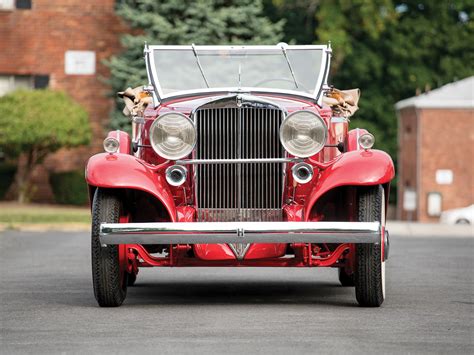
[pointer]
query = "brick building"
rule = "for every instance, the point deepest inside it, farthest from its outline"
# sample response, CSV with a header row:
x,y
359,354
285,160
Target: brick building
x,y
61,44
436,151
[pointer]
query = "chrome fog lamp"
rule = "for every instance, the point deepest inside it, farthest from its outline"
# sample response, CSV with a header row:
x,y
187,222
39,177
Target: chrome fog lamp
x,y
303,134
302,172
173,136
176,175
366,141
111,145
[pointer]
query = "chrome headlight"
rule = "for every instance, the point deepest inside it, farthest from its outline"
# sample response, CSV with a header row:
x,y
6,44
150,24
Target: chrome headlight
x,y
303,134
173,136
366,141
111,145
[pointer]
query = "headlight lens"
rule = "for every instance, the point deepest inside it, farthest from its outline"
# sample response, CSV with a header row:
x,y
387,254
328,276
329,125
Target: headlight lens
x,y
111,145
173,136
303,134
366,141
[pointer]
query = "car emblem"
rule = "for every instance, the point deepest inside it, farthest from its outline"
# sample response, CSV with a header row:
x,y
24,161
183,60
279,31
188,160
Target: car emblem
x,y
238,100
239,249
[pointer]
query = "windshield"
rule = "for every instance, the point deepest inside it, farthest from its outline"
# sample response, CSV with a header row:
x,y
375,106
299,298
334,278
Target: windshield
x,y
180,69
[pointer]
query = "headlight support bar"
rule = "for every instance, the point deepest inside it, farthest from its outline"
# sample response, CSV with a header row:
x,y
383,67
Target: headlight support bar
x,y
237,161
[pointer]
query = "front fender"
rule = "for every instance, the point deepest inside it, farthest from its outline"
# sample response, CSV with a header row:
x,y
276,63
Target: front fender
x,y
356,168
124,171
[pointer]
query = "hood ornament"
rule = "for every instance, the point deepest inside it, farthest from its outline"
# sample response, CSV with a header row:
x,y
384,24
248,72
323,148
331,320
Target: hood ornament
x,y
239,100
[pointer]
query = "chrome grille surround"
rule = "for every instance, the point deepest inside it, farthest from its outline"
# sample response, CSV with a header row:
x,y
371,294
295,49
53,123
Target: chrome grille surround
x,y
238,129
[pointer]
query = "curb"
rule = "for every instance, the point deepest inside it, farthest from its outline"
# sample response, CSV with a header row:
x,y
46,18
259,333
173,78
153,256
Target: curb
x,y
45,227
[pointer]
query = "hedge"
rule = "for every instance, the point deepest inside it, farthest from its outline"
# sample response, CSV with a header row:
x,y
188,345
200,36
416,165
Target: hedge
x,y
69,188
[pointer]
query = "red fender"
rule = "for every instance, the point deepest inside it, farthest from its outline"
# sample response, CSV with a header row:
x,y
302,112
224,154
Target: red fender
x,y
357,168
124,171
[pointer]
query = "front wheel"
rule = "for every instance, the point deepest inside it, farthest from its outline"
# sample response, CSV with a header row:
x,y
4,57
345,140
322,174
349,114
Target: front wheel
x,y
369,275
108,276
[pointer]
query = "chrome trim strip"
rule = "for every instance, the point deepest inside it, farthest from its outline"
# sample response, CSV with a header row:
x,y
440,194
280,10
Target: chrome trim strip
x,y
325,75
240,47
149,72
240,232
237,161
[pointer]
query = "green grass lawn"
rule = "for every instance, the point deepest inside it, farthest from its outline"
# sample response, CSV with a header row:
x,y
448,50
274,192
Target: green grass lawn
x,y
12,213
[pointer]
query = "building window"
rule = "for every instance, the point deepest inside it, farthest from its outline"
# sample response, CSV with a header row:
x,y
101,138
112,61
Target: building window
x,y
23,4
9,83
41,81
435,202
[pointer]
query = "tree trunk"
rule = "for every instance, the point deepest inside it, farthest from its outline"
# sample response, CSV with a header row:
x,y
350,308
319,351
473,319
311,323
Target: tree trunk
x,y
26,163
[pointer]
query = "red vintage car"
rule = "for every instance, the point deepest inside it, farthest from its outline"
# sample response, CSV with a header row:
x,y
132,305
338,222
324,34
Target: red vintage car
x,y
239,156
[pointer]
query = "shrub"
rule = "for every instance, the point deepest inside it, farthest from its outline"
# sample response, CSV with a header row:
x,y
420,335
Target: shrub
x,y
34,123
69,188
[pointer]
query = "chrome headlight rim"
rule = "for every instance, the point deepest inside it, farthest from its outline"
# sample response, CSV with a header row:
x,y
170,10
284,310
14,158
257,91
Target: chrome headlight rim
x,y
159,151
289,149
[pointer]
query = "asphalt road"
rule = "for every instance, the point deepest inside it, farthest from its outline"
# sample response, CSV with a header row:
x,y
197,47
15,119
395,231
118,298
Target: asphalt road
x,y
47,305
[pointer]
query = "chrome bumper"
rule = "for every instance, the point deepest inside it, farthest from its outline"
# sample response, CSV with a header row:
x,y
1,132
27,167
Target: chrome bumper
x,y
239,232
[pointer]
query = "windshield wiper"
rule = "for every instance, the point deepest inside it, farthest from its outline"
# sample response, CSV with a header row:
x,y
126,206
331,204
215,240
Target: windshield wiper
x,y
289,66
199,64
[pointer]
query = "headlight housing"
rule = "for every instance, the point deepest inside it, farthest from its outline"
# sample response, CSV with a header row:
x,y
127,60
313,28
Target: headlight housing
x,y
173,136
303,134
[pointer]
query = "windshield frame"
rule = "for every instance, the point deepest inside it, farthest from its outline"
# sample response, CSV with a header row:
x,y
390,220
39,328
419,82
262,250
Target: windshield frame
x,y
160,97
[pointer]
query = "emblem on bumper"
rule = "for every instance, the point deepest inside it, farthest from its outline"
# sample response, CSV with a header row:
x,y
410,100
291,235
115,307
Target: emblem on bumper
x,y
239,249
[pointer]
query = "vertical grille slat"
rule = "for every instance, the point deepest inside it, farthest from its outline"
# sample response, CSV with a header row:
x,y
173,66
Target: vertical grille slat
x,y
238,192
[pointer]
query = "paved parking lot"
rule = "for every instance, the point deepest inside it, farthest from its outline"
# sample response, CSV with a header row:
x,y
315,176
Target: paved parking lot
x,y
47,305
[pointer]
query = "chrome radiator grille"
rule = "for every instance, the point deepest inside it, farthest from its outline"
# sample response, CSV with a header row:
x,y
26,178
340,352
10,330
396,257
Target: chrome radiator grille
x,y
239,192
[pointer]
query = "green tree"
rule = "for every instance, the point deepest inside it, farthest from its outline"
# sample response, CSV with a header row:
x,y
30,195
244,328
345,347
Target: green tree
x,y
390,49
300,21
183,22
394,50
34,123
356,30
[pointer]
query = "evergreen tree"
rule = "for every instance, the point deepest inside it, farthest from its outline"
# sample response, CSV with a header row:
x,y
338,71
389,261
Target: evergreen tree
x,y
183,22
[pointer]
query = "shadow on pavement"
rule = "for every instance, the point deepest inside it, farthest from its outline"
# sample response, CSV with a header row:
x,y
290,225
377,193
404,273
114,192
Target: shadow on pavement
x,y
240,292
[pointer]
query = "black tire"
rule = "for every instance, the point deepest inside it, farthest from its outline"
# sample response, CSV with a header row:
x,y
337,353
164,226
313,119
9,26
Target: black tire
x,y
110,284
369,275
345,279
